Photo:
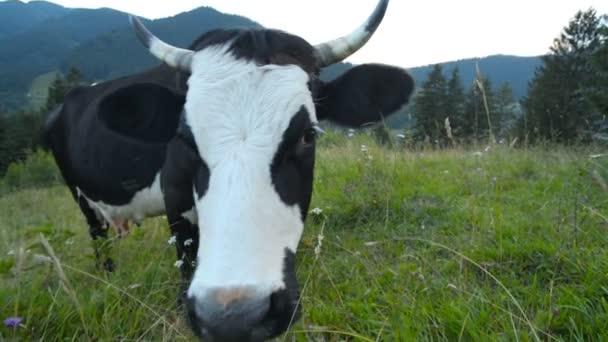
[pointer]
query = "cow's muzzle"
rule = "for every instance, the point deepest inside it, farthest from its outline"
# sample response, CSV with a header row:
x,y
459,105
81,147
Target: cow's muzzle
x,y
239,314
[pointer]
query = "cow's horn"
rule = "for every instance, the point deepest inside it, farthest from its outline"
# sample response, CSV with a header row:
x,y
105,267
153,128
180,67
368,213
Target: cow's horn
x,y
338,49
176,57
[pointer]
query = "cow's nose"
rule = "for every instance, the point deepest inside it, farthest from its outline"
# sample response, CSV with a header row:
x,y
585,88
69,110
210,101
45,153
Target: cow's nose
x,y
228,314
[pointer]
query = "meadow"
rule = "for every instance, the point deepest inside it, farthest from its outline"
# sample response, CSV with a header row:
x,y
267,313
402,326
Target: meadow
x,y
464,244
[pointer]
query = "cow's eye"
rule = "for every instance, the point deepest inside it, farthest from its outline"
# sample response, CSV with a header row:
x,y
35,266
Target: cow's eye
x,y
308,138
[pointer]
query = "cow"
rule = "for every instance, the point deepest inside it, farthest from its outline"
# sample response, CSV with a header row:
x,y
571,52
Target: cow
x,y
230,162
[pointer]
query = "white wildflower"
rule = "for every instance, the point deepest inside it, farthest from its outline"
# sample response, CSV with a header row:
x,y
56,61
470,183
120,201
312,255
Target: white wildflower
x,y
178,263
478,154
364,149
69,242
188,242
172,240
316,211
488,148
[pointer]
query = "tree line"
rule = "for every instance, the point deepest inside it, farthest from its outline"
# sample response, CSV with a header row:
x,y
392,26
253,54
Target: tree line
x,y
567,101
21,132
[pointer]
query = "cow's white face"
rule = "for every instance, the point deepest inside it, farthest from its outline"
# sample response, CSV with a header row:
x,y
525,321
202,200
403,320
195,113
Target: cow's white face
x,y
252,127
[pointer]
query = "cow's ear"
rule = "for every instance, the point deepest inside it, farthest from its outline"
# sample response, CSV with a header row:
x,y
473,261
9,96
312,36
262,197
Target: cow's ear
x,y
364,95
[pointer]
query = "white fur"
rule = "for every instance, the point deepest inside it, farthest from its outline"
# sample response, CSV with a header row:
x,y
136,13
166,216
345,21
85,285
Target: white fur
x,y
146,203
238,112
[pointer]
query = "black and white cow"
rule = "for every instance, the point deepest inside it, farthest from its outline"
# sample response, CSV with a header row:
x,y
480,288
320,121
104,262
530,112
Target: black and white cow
x,y
237,167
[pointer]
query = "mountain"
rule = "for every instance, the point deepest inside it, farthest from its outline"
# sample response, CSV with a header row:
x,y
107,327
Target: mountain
x,y
118,53
16,16
517,71
42,47
100,42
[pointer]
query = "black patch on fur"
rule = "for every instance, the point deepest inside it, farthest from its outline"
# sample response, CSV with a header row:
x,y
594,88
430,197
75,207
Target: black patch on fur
x,y
110,140
264,46
293,164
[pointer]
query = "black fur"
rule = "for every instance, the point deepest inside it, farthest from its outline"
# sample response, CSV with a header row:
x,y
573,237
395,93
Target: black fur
x,y
364,95
293,164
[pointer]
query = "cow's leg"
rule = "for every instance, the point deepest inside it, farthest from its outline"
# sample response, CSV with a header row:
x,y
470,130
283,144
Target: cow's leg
x,y
177,179
99,234
186,245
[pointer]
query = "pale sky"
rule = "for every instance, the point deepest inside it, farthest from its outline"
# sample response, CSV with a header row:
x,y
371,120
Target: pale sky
x,y
413,33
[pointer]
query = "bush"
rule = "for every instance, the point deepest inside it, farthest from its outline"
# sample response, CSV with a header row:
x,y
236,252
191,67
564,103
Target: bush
x,y
38,169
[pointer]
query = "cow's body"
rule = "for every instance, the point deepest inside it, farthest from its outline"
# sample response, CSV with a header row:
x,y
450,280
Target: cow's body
x,y
109,141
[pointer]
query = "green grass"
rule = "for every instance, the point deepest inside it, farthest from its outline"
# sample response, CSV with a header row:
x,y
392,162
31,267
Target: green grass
x,y
440,246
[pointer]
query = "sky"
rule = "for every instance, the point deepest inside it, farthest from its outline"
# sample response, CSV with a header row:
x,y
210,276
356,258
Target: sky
x,y
413,33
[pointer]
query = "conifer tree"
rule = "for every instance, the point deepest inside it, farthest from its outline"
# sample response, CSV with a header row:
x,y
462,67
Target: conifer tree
x,y
559,106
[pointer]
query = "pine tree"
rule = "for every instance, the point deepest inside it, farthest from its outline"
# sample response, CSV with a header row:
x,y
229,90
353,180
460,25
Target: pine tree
x,y
61,86
558,105
505,109
455,104
430,107
57,91
599,91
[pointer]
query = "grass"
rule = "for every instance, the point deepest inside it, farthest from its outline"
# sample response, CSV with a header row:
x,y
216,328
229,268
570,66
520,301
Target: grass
x,y
505,245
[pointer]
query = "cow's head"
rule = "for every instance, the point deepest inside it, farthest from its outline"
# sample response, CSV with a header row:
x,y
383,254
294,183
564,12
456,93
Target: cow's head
x,y
252,111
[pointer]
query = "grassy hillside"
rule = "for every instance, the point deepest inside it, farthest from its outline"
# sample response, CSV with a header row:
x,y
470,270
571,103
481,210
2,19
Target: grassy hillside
x,y
498,245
